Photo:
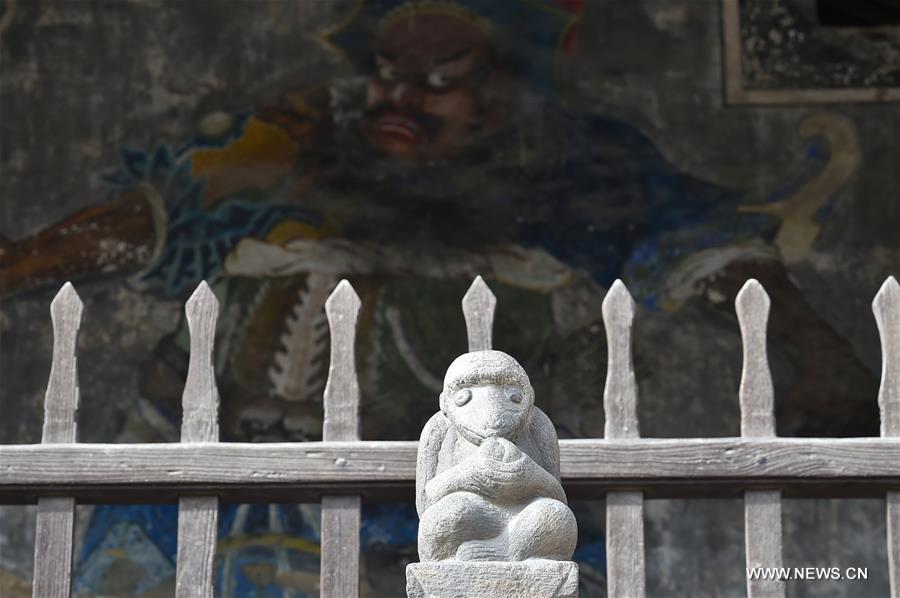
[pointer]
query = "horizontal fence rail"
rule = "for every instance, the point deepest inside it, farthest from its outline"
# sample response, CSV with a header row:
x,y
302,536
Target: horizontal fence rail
x,y
199,472
663,468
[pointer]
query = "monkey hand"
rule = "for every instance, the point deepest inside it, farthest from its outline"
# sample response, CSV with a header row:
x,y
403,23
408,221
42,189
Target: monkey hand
x,y
498,449
498,468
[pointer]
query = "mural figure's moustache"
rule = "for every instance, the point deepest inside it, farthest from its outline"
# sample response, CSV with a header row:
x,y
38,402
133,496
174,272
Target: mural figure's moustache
x,y
426,125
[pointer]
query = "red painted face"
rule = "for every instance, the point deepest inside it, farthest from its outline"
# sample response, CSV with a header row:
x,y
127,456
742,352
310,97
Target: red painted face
x,y
425,100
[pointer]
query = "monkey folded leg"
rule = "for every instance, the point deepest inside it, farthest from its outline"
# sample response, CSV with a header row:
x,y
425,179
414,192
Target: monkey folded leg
x,y
454,520
544,529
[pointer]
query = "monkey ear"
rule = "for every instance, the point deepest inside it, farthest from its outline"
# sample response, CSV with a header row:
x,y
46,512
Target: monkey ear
x,y
443,402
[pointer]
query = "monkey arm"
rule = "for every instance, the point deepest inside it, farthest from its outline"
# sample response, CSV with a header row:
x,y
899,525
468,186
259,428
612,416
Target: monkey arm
x,y
535,472
546,442
547,471
540,483
427,460
496,480
462,477
510,481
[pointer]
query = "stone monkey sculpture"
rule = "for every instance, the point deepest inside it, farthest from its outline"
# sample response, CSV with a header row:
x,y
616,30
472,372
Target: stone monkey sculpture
x,y
487,476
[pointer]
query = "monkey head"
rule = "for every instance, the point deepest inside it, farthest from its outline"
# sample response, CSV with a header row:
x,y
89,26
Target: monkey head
x,y
487,394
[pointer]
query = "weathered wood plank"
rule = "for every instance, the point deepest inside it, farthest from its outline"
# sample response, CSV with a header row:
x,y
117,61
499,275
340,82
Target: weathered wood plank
x,y
198,516
339,571
893,539
478,305
625,573
340,546
731,463
625,569
56,515
62,396
886,307
763,539
756,392
53,546
620,393
200,399
341,401
762,509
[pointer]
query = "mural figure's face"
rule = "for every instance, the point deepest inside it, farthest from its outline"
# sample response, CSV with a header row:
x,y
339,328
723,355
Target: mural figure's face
x,y
427,97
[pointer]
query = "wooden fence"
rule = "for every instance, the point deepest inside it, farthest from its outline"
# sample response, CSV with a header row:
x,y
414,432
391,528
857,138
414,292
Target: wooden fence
x,y
341,470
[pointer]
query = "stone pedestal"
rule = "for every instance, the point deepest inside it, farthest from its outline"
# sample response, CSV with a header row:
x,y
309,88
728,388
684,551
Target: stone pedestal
x,y
492,579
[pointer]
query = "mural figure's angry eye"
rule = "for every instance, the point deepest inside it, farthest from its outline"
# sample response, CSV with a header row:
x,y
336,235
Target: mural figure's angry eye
x,y
437,80
386,72
462,397
514,394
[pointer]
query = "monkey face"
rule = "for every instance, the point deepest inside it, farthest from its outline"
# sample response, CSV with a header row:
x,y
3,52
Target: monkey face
x,y
488,410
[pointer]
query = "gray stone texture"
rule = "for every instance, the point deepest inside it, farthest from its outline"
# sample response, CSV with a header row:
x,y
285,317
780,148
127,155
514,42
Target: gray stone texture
x,y
487,484
456,579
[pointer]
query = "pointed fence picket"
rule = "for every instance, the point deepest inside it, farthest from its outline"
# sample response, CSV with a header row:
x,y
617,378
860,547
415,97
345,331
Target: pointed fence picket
x,y
341,513
341,470
56,515
624,510
198,516
886,307
478,306
762,508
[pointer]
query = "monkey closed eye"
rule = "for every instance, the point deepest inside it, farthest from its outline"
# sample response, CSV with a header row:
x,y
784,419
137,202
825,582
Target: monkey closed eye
x,y
462,396
515,394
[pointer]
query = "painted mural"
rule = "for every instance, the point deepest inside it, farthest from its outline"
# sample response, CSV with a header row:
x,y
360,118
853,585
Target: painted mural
x,y
446,155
